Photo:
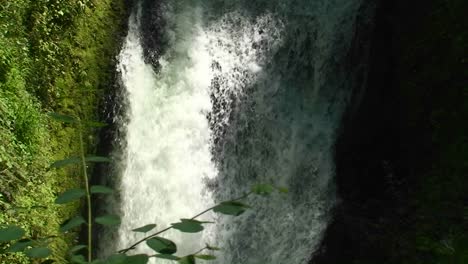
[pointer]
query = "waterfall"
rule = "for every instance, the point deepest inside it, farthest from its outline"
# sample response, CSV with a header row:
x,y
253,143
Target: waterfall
x,y
243,92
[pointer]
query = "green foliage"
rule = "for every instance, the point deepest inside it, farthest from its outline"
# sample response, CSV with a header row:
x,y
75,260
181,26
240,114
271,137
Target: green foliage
x,y
231,208
20,246
70,196
11,233
162,245
205,257
190,259
165,256
189,226
72,223
65,162
101,189
262,189
109,220
145,228
45,46
39,252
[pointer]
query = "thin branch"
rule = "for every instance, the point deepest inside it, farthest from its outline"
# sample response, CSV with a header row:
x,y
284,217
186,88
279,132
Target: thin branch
x,y
167,228
199,251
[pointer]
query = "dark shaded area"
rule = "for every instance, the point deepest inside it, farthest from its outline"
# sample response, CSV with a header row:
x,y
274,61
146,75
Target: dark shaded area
x,y
402,169
153,34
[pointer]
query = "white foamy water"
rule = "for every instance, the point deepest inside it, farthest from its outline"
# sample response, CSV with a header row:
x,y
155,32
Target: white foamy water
x,y
168,141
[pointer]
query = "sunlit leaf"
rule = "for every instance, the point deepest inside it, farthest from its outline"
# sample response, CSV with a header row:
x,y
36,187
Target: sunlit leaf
x,y
166,256
70,196
231,208
109,220
72,223
65,162
205,257
190,259
39,252
145,228
11,233
162,245
63,118
101,189
263,189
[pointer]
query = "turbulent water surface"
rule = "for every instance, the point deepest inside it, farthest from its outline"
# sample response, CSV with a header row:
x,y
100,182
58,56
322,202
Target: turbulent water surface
x,y
235,93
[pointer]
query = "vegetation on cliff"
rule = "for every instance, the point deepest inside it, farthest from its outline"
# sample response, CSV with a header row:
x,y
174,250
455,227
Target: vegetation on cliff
x,y
55,56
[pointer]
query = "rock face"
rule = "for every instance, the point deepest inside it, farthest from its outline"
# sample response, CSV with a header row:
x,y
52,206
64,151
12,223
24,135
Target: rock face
x,y
398,164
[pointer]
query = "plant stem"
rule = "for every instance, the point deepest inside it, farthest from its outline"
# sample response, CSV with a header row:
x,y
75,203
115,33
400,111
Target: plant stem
x,y
167,228
88,195
199,251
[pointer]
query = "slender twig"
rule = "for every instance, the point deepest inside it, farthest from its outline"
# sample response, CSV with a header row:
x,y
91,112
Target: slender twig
x,y
170,227
88,195
199,251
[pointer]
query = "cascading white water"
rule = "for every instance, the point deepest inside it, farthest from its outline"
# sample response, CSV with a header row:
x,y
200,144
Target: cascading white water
x,y
167,153
250,92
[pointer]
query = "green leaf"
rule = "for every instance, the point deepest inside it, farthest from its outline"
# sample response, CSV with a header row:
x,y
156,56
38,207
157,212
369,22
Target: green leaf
x,y
109,220
188,226
101,189
65,162
166,256
282,189
77,248
63,118
49,261
205,257
97,159
72,223
116,259
70,196
11,233
263,189
145,228
79,259
209,247
197,221
231,208
95,124
39,252
137,259
190,259
162,245
20,246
